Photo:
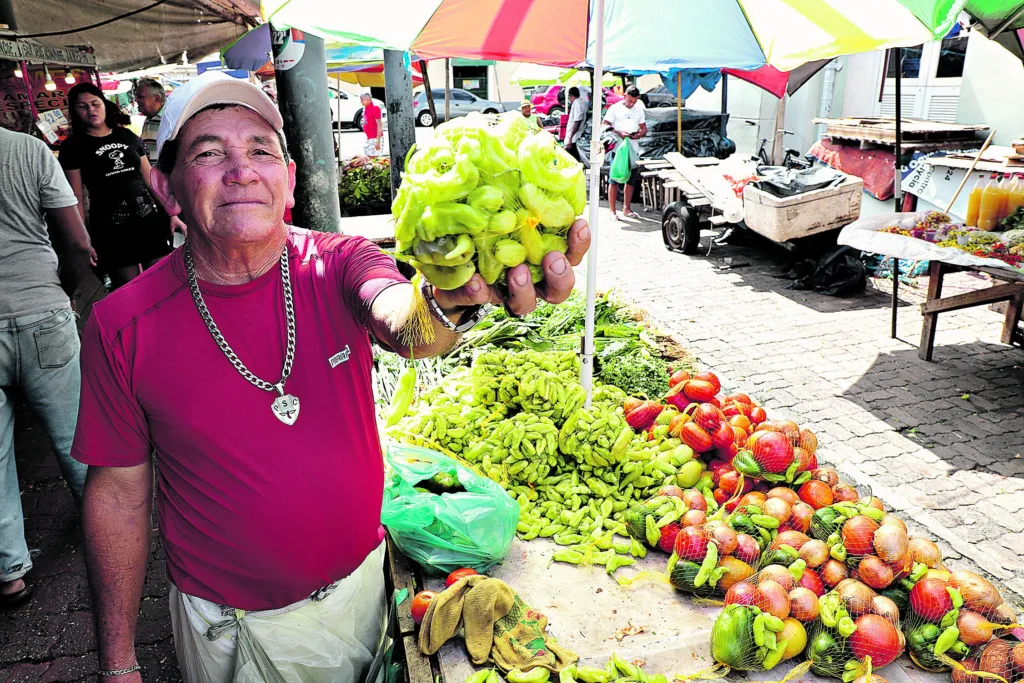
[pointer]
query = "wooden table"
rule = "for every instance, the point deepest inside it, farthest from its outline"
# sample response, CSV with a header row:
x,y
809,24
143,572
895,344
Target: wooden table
x,y
1011,291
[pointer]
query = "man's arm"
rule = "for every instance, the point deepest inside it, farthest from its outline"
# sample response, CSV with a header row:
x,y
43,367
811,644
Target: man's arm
x,y
117,513
77,253
75,180
391,309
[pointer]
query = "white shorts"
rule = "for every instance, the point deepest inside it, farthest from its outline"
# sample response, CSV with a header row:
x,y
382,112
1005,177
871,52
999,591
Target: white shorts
x,y
330,640
370,148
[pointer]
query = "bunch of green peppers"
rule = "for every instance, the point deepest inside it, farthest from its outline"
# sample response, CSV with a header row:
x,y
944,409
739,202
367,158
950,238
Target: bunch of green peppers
x,y
597,436
751,520
645,520
746,465
746,639
484,196
537,381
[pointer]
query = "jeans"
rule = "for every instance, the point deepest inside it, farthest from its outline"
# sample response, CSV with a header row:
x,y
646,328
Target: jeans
x,y
39,357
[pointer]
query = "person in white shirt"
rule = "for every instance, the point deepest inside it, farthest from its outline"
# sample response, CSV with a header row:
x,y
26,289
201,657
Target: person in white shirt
x,y
577,117
627,118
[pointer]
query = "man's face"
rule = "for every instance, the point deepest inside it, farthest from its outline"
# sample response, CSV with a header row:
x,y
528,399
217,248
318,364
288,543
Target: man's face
x,y
526,109
149,102
230,181
630,101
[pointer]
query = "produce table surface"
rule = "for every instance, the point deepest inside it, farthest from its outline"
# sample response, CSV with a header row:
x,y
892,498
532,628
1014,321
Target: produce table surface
x,y
586,609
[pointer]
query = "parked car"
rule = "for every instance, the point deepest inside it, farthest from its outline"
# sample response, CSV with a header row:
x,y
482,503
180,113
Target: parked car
x,y
347,110
462,103
659,96
550,101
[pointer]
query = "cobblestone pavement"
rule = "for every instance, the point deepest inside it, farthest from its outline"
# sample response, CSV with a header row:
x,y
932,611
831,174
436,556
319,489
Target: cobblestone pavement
x,y
51,639
941,442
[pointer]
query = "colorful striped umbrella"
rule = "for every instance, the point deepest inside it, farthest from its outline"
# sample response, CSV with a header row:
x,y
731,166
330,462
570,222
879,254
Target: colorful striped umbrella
x,y
651,35
1002,21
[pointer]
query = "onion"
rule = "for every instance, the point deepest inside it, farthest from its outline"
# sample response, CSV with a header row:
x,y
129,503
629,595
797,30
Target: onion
x,y
753,498
814,553
779,509
833,572
886,608
925,551
776,574
890,541
827,475
974,628
995,659
747,548
1017,658
693,518
856,596
1003,615
772,598
736,571
788,495
873,502
893,520
979,595
964,675
803,604
874,572
725,538
844,492
808,441
794,539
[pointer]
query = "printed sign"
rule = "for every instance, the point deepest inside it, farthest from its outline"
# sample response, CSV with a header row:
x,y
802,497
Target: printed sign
x,y
288,46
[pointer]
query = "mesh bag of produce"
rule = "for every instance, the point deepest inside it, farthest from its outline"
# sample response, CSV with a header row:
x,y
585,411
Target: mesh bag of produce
x,y
856,630
950,616
865,539
596,437
443,515
762,625
486,194
778,452
646,520
710,558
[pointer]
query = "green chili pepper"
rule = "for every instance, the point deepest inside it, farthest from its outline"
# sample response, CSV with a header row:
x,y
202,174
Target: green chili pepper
x,y
478,676
590,674
624,667
568,674
568,556
618,562
846,627
946,640
709,563
402,397
535,675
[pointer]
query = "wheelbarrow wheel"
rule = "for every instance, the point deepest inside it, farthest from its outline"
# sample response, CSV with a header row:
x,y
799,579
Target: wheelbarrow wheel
x,y
680,229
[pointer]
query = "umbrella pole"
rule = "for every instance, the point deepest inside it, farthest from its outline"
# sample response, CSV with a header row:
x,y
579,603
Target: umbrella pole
x,y
447,88
897,192
428,92
679,112
724,130
596,159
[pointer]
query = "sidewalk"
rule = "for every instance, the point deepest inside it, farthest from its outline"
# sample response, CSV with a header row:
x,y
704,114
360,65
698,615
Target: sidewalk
x,y
51,639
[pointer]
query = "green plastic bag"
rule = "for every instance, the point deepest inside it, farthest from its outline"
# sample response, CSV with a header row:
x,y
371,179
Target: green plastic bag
x,y
473,528
620,168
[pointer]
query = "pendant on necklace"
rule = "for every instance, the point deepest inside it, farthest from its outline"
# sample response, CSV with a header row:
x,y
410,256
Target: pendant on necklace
x,y
285,406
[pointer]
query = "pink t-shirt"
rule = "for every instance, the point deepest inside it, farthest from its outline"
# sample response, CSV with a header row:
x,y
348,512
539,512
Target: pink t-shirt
x,y
371,120
254,514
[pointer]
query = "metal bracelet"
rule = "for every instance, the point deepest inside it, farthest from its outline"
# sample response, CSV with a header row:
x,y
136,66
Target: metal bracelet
x,y
119,672
475,313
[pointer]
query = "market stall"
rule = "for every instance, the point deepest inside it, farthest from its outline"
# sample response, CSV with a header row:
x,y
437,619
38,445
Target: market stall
x,y
950,246
34,83
615,577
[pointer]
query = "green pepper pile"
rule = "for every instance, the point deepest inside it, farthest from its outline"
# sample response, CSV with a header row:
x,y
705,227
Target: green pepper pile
x,y
545,384
487,194
523,448
617,670
746,639
597,437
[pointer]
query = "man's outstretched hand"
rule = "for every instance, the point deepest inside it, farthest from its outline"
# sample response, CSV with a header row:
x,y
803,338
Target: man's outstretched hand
x,y
559,280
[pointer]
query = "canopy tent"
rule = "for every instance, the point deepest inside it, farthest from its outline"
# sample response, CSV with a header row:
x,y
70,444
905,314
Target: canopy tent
x,y
779,83
157,35
621,35
1002,21
368,74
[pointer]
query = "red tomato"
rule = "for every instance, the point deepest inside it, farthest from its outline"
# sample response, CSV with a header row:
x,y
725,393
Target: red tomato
x,y
801,519
812,582
711,378
459,574
875,637
757,415
816,493
677,377
696,438
728,481
668,536
691,543
859,535
741,593
773,452
420,603
929,599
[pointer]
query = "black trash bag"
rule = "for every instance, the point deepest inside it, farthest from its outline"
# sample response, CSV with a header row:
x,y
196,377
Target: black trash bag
x,y
840,272
787,182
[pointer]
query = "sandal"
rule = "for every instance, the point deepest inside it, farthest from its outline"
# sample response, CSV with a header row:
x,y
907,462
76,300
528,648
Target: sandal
x,y
615,216
631,214
15,599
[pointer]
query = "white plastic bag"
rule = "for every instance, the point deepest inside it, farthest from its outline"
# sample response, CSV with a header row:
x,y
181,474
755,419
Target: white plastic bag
x,y
333,640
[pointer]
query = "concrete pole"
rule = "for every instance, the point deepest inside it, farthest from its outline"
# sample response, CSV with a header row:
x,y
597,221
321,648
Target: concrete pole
x,y
305,107
401,125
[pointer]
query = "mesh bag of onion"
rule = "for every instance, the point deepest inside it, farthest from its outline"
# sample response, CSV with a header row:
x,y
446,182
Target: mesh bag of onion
x,y
778,452
856,630
951,618
709,558
873,546
764,621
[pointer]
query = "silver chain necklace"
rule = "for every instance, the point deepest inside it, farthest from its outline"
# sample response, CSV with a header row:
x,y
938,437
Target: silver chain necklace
x,y
285,407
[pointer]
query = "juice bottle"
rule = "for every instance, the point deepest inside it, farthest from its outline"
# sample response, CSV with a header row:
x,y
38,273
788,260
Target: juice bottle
x,y
1004,195
1015,198
973,204
991,204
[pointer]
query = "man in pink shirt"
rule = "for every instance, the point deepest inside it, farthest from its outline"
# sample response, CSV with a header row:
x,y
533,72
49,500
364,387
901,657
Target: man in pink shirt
x,y
243,361
372,126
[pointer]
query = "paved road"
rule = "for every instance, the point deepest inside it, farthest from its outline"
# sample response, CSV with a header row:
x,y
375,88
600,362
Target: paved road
x,y
941,442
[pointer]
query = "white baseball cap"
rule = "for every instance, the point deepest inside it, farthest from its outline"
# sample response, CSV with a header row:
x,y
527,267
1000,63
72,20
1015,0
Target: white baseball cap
x,y
212,87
